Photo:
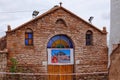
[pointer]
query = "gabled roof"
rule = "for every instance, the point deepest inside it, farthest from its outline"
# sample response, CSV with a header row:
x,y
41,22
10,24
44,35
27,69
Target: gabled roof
x,y
52,10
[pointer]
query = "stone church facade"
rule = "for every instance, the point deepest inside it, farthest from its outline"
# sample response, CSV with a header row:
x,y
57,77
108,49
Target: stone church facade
x,y
80,48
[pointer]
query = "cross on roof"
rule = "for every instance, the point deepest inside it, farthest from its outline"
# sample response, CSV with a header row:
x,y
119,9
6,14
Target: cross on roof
x,y
60,4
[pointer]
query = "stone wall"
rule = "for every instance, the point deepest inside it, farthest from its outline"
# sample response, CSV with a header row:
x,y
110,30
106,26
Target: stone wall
x,y
3,63
2,43
39,76
100,76
25,77
86,58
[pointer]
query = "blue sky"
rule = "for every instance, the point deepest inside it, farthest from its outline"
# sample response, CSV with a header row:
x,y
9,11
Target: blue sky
x,y
17,12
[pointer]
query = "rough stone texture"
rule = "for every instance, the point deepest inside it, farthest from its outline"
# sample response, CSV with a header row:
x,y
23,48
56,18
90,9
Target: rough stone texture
x,y
100,76
25,77
114,70
32,76
3,43
88,59
3,63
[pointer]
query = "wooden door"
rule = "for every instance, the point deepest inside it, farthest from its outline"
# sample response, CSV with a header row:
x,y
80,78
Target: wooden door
x,y
60,72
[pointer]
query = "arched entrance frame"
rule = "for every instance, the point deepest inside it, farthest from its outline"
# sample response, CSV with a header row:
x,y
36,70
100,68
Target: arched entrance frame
x,y
60,57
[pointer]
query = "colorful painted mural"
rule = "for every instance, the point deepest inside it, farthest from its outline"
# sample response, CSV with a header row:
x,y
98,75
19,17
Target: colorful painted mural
x,y
60,56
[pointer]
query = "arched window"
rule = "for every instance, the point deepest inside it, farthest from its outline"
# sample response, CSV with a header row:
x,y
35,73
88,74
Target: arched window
x,y
60,50
89,38
60,21
60,41
28,37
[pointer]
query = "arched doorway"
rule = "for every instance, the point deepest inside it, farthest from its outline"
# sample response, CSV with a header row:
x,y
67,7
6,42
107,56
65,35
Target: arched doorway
x,y
60,58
